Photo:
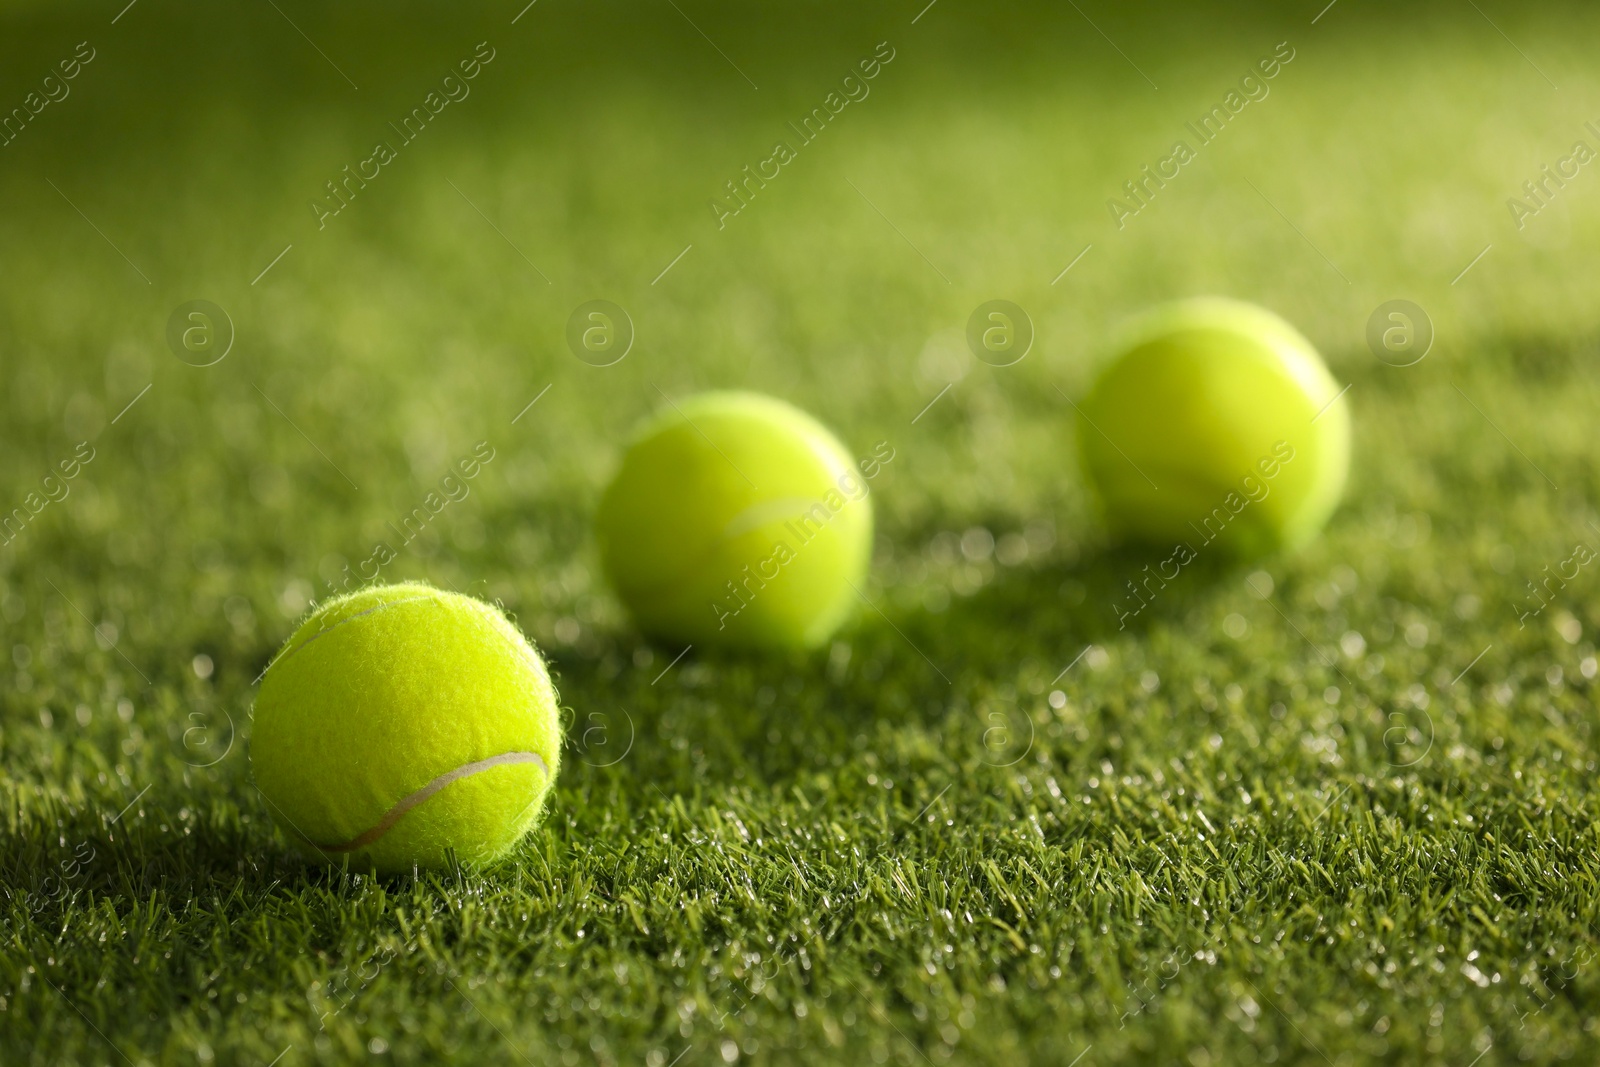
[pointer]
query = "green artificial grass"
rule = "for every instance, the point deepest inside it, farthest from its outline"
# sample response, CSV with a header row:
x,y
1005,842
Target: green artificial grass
x,y
1332,808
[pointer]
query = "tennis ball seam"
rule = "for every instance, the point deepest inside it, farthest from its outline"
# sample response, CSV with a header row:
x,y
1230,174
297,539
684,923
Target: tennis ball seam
x,y
678,532
447,698
348,618
432,597
398,810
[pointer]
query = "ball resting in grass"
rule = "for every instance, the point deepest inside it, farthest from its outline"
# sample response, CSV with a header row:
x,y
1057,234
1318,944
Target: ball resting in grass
x,y
400,722
736,519
1219,423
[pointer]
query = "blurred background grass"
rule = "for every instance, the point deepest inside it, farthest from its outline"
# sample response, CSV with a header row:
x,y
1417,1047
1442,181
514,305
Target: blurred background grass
x,y
429,313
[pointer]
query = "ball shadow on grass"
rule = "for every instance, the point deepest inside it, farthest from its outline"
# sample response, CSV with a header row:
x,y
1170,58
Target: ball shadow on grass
x,y
895,679
1058,609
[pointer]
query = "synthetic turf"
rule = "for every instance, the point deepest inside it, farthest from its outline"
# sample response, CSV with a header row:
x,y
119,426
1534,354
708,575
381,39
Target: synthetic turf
x,y
1333,808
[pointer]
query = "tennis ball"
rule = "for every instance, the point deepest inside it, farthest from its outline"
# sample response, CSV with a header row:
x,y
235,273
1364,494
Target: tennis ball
x,y
1217,423
401,721
736,520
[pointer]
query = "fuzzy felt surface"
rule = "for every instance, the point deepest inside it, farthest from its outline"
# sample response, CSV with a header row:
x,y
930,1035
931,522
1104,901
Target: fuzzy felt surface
x,y
383,691
737,519
1219,423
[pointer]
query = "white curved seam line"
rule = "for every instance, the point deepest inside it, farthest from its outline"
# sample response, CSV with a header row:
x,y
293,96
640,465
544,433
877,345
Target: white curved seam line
x,y
405,804
769,512
341,622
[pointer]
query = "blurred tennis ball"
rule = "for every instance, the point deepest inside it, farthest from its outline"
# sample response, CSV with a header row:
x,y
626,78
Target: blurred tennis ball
x,y
736,520
400,722
1217,422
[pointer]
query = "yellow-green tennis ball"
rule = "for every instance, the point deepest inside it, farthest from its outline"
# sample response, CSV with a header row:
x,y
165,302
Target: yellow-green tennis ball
x,y
400,722
736,520
1217,423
